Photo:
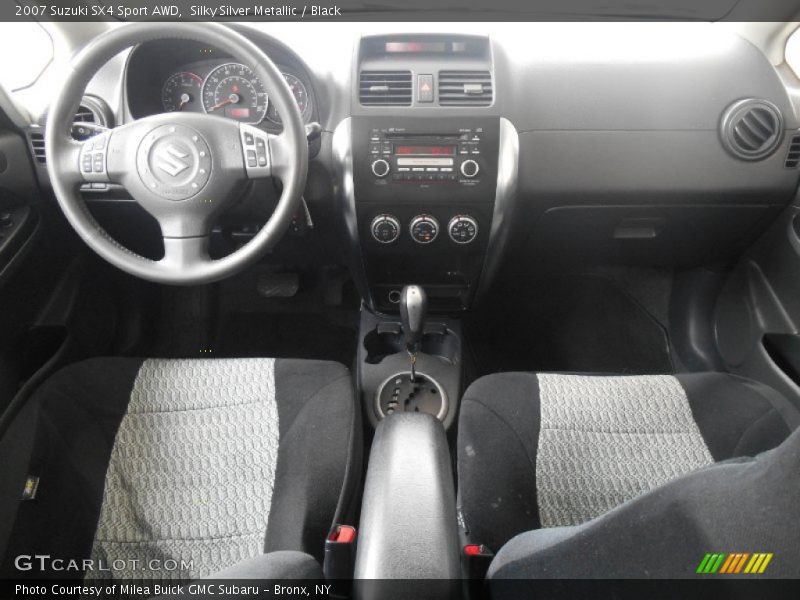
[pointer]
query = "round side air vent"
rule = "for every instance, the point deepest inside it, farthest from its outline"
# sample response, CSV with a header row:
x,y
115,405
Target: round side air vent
x,y
751,129
93,111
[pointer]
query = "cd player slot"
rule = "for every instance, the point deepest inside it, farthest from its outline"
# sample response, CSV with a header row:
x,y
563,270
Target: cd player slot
x,y
418,136
424,162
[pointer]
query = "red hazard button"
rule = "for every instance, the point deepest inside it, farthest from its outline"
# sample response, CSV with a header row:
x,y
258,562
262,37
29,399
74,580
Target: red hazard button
x,y
424,88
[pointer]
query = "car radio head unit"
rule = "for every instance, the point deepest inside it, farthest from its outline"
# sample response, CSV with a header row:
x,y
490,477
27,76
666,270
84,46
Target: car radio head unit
x,y
402,156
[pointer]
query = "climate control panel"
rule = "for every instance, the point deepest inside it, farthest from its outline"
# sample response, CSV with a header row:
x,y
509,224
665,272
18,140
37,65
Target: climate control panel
x,y
424,228
385,228
462,229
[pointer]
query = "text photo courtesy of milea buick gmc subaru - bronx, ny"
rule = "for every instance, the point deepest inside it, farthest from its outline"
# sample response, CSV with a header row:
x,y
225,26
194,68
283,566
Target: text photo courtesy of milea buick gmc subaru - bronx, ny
x,y
383,301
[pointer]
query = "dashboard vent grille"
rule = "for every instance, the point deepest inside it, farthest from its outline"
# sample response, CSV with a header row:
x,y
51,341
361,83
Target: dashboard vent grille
x,y
793,155
465,88
752,129
37,145
385,88
85,115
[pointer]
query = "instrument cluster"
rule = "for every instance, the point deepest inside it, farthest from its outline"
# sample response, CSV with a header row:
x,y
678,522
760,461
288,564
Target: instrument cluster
x,y
229,89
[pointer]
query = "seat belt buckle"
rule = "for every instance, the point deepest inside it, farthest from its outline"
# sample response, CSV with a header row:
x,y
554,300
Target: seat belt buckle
x,y
476,559
339,562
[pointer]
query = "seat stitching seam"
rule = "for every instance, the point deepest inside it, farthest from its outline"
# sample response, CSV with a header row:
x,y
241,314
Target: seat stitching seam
x,y
179,539
619,431
177,410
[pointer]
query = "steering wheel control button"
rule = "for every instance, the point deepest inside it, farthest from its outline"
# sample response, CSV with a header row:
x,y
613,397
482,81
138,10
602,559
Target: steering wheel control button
x,y
470,168
256,151
424,229
462,229
174,162
385,229
380,168
261,152
93,159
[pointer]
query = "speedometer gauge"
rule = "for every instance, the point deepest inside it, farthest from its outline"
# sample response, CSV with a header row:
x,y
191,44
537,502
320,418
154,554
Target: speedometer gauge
x,y
182,91
232,90
300,96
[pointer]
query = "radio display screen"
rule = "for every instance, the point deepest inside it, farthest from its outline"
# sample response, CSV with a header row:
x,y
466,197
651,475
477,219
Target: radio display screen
x,y
425,150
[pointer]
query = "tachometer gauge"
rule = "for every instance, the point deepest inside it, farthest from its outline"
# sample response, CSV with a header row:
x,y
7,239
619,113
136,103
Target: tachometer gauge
x,y
232,90
300,96
182,92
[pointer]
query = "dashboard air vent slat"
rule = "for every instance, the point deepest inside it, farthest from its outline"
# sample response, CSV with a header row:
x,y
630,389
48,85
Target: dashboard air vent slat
x,y
465,88
793,154
85,115
385,88
752,129
37,145
92,113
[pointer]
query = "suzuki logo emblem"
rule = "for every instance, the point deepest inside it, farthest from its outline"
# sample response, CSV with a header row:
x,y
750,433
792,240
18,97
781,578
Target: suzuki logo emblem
x,y
169,160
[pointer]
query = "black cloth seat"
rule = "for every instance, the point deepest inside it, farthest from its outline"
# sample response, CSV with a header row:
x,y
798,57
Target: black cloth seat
x,y
733,520
211,463
551,452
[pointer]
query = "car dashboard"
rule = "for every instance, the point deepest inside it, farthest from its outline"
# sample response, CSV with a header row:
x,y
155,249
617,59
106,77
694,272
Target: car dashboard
x,y
445,155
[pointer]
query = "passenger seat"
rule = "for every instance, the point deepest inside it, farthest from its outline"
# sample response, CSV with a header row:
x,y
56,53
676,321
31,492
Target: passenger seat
x,y
558,450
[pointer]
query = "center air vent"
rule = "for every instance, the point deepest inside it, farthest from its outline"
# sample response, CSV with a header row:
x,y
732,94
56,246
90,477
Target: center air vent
x,y
465,88
752,129
385,88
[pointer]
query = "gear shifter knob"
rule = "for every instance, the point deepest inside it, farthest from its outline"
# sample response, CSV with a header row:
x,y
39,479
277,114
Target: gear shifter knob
x,y
413,308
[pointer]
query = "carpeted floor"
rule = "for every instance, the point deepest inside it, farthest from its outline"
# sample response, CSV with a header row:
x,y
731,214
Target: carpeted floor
x,y
575,323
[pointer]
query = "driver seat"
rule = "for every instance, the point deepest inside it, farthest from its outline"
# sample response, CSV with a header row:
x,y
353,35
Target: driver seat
x,y
207,463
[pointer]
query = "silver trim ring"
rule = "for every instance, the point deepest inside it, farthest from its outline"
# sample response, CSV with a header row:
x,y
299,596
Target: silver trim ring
x,y
442,394
424,217
385,217
469,218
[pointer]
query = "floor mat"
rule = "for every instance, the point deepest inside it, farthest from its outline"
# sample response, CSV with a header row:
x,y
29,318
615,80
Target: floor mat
x,y
580,323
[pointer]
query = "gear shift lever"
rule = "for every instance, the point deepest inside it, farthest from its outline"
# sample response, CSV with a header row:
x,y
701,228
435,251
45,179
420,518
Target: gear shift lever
x,y
413,308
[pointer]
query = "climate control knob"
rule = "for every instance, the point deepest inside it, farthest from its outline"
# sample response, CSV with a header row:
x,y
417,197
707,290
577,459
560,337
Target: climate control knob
x,y
380,168
424,229
470,168
385,229
462,229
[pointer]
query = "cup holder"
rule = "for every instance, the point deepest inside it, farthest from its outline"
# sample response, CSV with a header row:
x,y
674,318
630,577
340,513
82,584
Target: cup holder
x,y
437,341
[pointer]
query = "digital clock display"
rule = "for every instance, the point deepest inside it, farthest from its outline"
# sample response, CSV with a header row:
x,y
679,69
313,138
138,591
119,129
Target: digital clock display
x,y
425,150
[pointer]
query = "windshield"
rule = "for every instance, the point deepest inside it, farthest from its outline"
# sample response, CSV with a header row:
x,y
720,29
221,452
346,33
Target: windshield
x,y
31,49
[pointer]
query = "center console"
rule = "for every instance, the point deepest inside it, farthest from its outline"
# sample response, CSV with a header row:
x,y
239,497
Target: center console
x,y
427,171
424,202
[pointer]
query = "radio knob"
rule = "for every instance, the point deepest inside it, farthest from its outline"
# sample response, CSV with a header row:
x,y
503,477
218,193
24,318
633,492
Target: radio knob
x,y
380,168
462,229
385,229
470,168
424,229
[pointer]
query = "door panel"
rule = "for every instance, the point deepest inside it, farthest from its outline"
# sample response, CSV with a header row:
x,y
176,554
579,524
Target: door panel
x,y
757,317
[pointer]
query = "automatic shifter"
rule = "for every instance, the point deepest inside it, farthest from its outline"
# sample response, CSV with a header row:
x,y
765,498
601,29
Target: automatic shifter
x,y
413,309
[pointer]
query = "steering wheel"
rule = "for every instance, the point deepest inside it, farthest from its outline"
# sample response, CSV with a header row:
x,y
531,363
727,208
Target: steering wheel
x,y
182,168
